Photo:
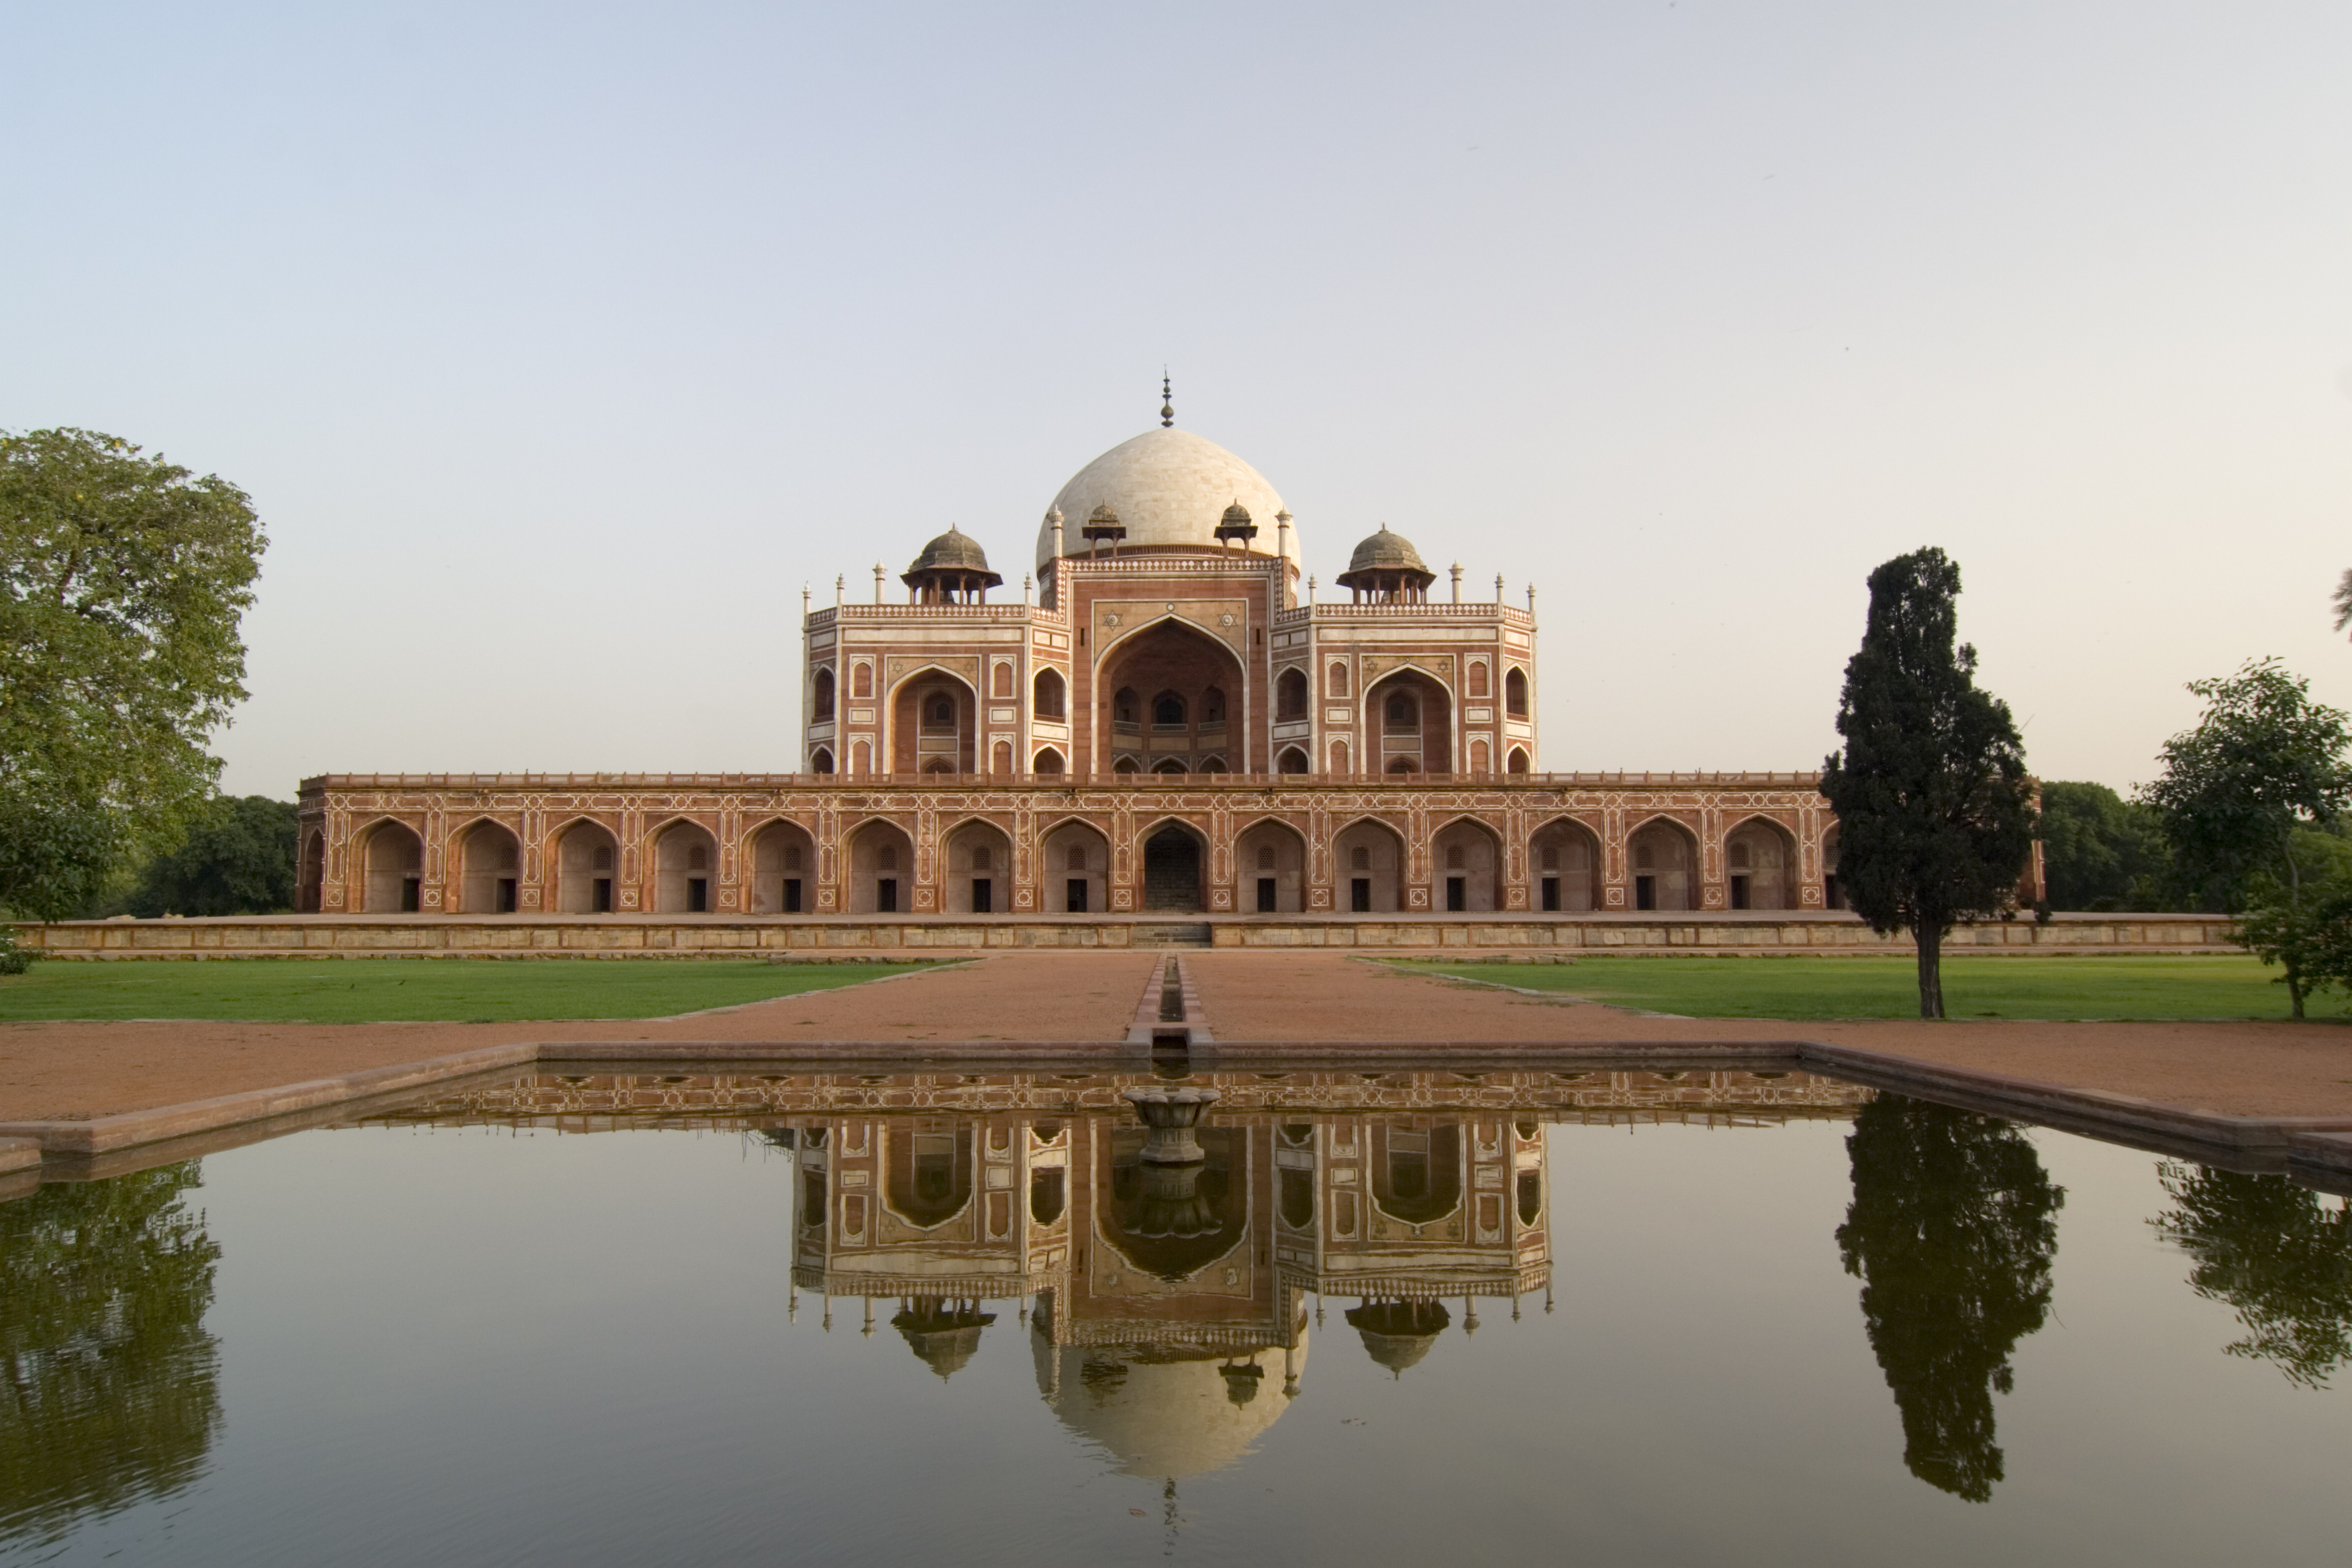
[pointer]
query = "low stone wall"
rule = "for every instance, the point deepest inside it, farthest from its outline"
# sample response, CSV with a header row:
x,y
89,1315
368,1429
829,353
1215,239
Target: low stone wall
x,y
716,936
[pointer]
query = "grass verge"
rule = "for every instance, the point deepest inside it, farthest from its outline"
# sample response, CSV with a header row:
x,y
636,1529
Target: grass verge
x,y
2220,986
411,990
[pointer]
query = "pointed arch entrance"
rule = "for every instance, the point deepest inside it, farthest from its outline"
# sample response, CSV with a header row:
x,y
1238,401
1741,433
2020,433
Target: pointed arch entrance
x,y
1174,863
1175,680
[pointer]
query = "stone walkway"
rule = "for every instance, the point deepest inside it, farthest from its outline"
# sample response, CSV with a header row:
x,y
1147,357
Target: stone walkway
x,y
79,1070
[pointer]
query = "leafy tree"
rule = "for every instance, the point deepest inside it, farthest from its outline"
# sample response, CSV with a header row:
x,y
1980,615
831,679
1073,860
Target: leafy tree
x,y
1934,810
238,860
2306,926
2241,793
2343,600
2100,851
1951,1232
2270,1250
114,1396
122,578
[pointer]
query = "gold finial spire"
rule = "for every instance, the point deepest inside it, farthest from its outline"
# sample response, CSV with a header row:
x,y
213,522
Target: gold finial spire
x,y
1167,402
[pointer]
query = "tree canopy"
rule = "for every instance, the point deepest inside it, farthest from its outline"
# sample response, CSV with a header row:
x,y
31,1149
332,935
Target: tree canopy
x,y
2100,851
122,579
1935,810
238,860
2264,760
2247,803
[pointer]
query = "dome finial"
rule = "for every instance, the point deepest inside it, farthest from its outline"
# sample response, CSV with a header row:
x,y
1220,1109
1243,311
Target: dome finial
x,y
1167,402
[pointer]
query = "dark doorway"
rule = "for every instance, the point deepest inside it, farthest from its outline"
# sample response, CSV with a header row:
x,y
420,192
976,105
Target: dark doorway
x,y
698,895
1171,870
1739,892
885,895
1359,895
1076,895
1457,895
1645,892
412,895
506,895
1551,894
984,896
792,895
600,901
1267,900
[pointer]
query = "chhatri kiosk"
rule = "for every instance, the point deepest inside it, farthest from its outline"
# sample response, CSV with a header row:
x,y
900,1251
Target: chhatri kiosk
x,y
1168,716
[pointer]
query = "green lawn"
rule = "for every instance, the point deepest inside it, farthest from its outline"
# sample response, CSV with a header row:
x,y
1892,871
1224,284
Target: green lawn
x,y
2223,987
411,990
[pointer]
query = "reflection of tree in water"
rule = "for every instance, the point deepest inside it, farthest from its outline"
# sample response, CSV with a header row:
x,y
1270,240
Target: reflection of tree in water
x,y
2270,1249
1952,1234
111,1397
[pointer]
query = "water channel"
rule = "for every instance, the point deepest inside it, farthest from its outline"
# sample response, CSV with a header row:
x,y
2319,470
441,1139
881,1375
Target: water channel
x,y
1390,1315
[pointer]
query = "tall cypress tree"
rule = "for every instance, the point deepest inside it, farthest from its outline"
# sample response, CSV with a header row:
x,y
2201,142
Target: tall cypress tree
x,y
1935,810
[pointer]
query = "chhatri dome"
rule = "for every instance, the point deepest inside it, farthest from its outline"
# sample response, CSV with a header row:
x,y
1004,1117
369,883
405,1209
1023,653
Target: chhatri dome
x,y
1168,488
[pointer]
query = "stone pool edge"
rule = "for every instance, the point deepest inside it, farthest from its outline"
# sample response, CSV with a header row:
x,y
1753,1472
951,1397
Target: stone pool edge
x,y
2317,1146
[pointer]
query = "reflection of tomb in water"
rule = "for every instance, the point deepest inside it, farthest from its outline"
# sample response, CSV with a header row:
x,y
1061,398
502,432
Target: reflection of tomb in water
x,y
1171,1319
1167,1305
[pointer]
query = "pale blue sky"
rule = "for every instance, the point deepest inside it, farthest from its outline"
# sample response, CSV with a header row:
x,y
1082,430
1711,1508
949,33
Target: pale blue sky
x,y
560,344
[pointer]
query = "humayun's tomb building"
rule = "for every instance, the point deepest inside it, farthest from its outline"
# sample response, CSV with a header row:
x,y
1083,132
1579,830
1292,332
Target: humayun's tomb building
x,y
1167,719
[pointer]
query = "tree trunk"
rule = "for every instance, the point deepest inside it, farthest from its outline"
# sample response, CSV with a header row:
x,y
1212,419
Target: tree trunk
x,y
2293,990
1931,971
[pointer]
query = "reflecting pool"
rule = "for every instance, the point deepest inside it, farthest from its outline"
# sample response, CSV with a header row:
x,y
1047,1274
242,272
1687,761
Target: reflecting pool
x,y
1321,1316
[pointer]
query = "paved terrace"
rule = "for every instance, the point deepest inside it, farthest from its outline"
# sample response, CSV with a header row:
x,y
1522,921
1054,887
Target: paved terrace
x,y
57,1071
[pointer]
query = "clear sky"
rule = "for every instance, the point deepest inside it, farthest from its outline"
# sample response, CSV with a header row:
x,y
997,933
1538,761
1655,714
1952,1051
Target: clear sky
x,y
560,345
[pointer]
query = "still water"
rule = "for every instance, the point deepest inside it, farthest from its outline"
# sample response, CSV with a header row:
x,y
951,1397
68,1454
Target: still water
x,y
1618,1317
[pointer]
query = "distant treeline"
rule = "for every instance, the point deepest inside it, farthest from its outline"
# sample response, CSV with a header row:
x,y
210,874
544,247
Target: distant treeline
x,y
2102,854
238,860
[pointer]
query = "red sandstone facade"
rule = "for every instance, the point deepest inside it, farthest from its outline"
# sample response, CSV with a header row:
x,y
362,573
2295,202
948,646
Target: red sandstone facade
x,y
1165,721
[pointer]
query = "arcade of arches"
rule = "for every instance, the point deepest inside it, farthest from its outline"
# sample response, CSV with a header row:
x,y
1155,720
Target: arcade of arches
x,y
1030,847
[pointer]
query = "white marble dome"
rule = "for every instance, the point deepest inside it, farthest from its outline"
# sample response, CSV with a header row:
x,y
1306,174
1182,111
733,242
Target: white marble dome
x,y
1160,1415
1169,487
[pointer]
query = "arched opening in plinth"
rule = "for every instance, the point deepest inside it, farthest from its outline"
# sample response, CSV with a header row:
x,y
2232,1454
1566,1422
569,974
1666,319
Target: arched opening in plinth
x,y
392,870
1076,870
1664,865
1368,861
587,871
881,870
310,874
489,878
1760,866
1270,865
1468,860
686,871
1564,864
1174,863
783,870
979,870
